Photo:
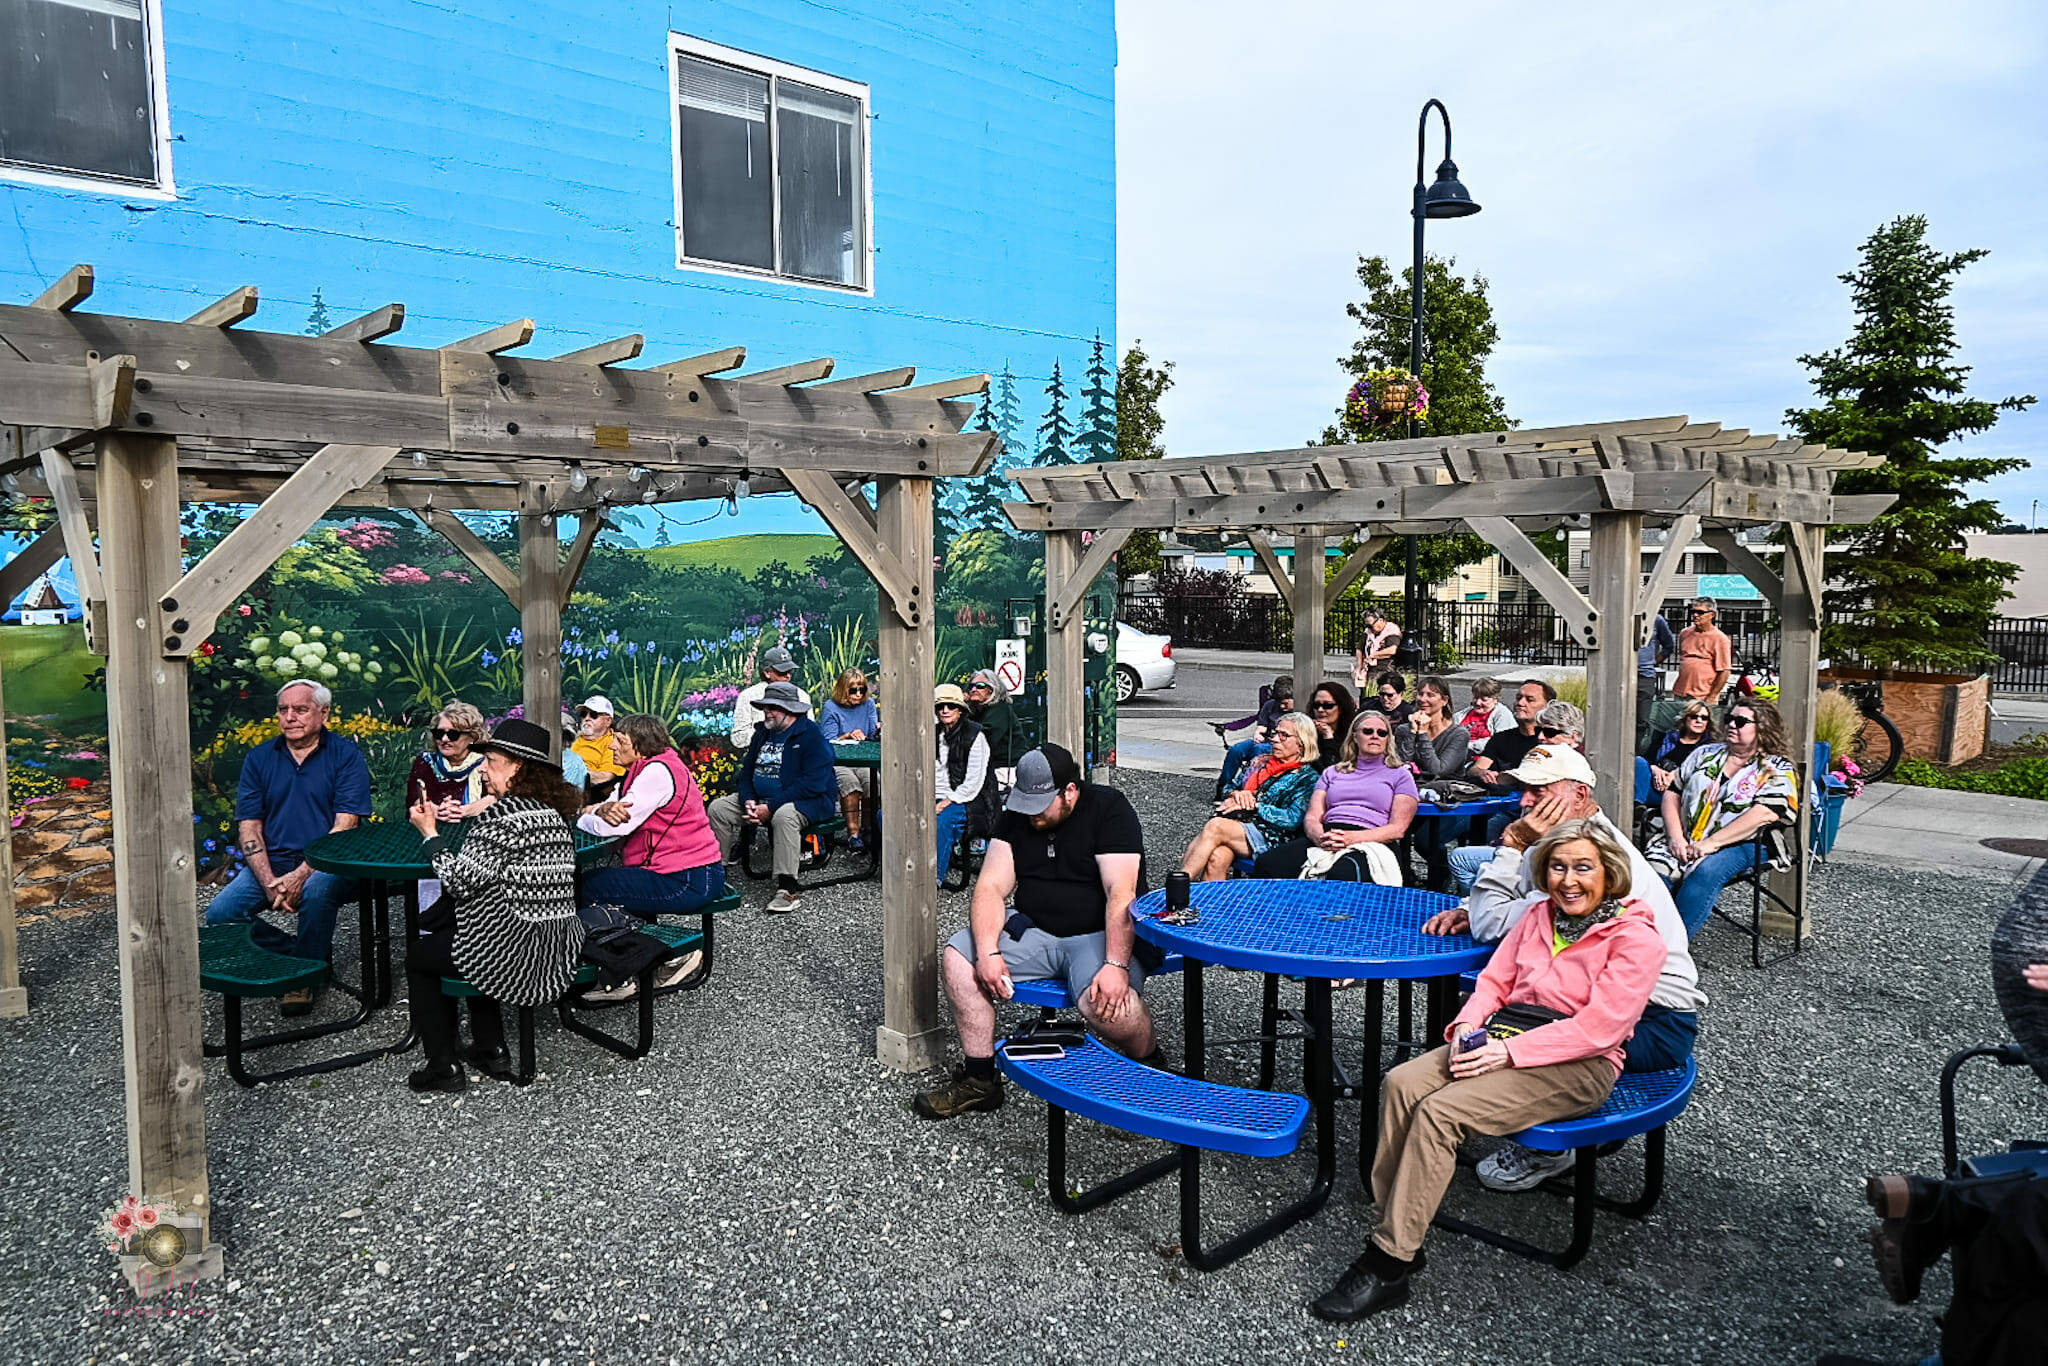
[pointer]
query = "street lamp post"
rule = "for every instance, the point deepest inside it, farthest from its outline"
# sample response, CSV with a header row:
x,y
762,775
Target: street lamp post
x,y
1445,198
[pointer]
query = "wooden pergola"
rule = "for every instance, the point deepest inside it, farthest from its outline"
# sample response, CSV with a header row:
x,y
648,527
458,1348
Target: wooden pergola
x,y
1698,479
120,420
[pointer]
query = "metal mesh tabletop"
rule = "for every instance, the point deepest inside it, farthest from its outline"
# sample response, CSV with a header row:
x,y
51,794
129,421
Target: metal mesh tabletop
x,y
392,851
1313,929
866,754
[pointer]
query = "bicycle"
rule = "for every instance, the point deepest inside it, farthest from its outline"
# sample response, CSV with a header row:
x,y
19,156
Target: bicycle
x,y
1878,747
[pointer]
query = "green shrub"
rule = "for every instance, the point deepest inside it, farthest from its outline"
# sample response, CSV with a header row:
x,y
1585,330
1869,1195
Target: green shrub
x,y
2015,778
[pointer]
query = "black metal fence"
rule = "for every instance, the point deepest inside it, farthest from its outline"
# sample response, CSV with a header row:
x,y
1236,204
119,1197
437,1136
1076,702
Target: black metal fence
x,y
2021,644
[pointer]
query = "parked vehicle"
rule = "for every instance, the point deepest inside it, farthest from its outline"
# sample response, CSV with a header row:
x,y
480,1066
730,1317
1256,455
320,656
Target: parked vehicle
x,y
1143,662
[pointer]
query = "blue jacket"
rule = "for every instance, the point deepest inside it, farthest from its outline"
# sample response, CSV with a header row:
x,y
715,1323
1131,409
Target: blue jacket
x,y
798,768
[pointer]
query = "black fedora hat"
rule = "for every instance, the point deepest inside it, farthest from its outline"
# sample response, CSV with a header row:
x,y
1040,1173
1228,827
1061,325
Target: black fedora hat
x,y
521,739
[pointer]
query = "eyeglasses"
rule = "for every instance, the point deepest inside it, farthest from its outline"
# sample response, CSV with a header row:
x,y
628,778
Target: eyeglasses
x,y
1549,732
441,733
1738,722
1322,706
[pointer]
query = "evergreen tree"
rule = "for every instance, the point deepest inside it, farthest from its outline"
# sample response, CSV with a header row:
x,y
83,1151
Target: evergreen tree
x,y
1056,431
1895,390
1458,335
1099,433
1003,408
317,321
977,503
1139,429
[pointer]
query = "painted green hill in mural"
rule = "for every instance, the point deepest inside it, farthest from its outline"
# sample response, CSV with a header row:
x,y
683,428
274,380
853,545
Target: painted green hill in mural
x,y
744,555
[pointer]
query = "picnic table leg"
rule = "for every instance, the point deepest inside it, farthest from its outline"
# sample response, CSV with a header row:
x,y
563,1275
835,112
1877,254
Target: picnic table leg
x,y
1269,1029
1194,1059
1369,1084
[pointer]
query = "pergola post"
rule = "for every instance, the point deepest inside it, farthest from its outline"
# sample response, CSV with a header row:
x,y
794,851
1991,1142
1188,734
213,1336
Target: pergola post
x,y
909,1038
1799,622
1616,548
540,619
13,996
1065,649
1307,601
156,898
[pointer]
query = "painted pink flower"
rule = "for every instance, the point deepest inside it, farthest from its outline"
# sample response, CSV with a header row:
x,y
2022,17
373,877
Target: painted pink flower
x,y
129,1202
405,574
245,609
146,1216
123,1223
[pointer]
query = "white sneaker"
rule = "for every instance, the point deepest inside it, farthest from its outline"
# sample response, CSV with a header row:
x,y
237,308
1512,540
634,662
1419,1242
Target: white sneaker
x,y
624,991
677,969
783,902
1511,1167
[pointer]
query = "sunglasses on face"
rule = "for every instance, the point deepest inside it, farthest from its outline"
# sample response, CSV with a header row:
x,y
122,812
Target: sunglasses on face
x,y
949,706
443,734
1549,732
1374,730
1738,722
856,691
1323,706
1390,694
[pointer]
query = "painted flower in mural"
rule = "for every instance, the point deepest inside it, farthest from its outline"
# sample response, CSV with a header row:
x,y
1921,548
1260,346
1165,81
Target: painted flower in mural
x,y
404,574
366,535
454,576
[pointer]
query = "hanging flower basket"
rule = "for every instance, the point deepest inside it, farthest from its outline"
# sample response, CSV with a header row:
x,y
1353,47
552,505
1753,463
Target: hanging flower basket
x,y
1386,397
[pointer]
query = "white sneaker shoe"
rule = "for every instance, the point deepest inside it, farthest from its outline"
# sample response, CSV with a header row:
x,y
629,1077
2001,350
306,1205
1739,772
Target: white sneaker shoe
x,y
783,902
677,969
1511,1167
624,991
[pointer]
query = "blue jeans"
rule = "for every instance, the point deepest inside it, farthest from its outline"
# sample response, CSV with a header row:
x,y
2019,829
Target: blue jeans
x,y
1663,1040
648,894
1696,892
949,823
1238,755
1467,863
321,899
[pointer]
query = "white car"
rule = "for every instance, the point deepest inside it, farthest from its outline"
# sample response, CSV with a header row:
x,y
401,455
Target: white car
x,y
1143,661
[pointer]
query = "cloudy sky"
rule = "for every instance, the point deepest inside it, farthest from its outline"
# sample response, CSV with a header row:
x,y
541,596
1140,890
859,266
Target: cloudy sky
x,y
1668,197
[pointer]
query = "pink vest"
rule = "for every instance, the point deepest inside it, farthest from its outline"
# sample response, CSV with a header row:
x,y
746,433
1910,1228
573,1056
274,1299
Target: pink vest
x,y
678,836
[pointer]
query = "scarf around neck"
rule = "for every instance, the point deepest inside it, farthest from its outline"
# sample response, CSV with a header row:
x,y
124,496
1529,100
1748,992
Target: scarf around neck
x,y
1567,930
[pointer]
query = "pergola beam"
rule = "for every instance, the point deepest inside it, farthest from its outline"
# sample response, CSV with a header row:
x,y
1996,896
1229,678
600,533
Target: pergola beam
x,y
30,563
1269,560
1581,617
505,337
1747,563
1355,563
588,525
61,477
858,529
380,322
612,352
195,601
947,388
1684,531
73,288
1096,559
803,372
228,311
710,363
870,384
471,547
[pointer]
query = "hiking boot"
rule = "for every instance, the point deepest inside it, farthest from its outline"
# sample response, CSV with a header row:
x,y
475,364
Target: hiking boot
x,y
1511,1167
960,1095
1911,1238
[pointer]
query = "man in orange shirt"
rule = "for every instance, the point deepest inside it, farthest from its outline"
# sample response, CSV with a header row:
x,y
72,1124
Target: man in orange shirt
x,y
1705,656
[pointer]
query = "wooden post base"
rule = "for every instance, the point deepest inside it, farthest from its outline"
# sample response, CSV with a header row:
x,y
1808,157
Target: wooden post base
x,y
910,1052
1778,925
13,1003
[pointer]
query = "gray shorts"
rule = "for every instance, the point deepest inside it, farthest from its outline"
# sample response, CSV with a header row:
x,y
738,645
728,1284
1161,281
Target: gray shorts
x,y
851,780
1038,956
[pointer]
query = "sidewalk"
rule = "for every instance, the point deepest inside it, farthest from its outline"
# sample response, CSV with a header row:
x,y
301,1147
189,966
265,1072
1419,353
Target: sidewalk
x,y
1933,829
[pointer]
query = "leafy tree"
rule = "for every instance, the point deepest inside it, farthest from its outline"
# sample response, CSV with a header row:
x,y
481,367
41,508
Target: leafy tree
x,y
1056,431
1099,430
1895,390
318,321
1458,335
1139,426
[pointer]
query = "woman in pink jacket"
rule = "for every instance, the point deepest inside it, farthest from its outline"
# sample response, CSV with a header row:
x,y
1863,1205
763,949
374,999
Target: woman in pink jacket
x,y
1540,1040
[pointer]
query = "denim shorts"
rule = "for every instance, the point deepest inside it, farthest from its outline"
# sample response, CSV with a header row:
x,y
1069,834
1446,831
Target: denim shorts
x,y
1256,837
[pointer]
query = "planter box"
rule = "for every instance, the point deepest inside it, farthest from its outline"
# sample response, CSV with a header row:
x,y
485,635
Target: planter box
x,y
1943,718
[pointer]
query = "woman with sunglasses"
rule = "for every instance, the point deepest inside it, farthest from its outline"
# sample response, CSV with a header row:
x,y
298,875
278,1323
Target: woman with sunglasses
x,y
449,774
851,718
1438,748
1265,806
966,786
1668,752
1391,700
1367,798
1720,800
1330,707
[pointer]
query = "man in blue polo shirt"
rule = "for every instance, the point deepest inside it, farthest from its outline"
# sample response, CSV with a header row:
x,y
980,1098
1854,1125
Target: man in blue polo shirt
x,y
306,783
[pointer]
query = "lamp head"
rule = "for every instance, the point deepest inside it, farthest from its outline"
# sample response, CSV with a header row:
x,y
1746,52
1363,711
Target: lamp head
x,y
1448,197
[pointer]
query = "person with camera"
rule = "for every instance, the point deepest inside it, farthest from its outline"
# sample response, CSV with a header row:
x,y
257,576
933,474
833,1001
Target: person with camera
x,y
1064,864
1540,1039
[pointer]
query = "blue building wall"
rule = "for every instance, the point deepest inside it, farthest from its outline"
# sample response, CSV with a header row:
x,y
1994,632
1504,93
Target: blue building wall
x,y
483,162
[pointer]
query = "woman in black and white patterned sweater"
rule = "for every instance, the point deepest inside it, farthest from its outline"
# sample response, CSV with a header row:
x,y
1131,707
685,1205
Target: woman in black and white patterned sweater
x,y
506,922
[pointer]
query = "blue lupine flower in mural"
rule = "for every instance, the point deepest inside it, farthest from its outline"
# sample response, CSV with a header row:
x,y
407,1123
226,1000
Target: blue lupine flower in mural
x,y
489,659
513,637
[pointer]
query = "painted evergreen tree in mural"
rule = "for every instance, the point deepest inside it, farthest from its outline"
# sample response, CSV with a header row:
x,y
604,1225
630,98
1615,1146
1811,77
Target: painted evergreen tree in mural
x,y
317,321
968,504
1098,439
1057,430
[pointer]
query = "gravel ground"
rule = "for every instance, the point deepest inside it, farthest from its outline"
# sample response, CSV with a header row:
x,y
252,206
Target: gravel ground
x,y
758,1187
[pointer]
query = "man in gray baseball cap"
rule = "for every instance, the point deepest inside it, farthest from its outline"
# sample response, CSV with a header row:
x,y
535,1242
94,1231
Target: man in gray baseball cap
x,y
785,782
1072,856
778,665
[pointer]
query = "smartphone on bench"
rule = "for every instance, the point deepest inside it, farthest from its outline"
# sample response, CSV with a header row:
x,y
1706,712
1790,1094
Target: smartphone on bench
x,y
1037,1050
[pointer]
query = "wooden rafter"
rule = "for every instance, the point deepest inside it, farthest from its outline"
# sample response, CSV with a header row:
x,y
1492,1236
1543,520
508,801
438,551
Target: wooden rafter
x,y
472,548
228,311
73,288
377,323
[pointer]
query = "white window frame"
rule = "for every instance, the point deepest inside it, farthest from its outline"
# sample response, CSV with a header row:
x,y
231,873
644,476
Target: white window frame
x,y
165,186
683,45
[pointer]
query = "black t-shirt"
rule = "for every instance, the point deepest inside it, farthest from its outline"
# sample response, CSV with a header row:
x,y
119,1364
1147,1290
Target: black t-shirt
x,y
1059,886
1508,749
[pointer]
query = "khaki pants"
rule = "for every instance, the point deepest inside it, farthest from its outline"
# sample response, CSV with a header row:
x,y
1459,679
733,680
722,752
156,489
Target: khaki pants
x,y
785,830
1424,1115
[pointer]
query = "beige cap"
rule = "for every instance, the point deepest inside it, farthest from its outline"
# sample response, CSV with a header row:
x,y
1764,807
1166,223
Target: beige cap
x,y
949,692
1548,764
